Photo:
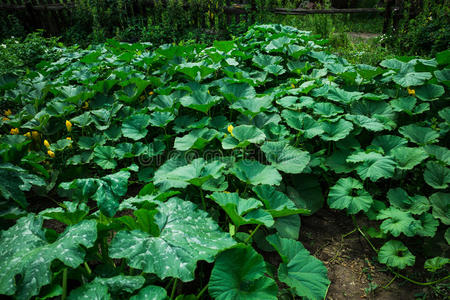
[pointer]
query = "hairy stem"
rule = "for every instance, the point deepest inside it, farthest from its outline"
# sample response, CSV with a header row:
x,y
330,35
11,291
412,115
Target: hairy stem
x,y
251,234
64,284
202,291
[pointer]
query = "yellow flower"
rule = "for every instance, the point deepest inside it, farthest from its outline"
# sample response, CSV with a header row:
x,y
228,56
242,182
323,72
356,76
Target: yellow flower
x,y
46,144
68,138
293,86
35,135
68,125
51,153
411,92
86,105
28,134
5,119
14,131
8,112
230,129
150,93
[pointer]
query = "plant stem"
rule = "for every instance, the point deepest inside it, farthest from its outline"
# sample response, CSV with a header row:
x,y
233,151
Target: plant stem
x,y
389,268
202,291
251,234
390,282
203,199
64,284
88,270
174,286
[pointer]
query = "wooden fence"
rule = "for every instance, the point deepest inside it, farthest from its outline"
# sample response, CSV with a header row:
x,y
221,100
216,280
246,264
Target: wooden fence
x,y
213,14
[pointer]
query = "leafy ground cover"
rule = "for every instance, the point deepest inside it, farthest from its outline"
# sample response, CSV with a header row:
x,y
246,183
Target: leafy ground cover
x,y
181,171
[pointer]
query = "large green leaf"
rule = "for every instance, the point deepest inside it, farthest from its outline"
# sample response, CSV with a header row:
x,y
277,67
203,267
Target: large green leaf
x,y
388,142
239,274
101,288
14,181
196,139
440,153
26,252
242,136
371,124
177,173
397,221
161,118
151,292
235,91
277,203
253,172
419,135
437,175
396,254
200,101
106,190
70,213
373,165
416,204
187,235
302,122
342,96
436,263
335,131
300,270
285,157
104,157
348,193
441,207
407,158
135,127
429,92
94,291
253,106
242,211
407,79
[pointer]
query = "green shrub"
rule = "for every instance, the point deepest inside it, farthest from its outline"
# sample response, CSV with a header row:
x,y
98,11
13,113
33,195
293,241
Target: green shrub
x,y
425,34
17,55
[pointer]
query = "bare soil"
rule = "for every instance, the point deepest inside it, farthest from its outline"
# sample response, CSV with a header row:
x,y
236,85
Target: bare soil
x,y
363,35
350,261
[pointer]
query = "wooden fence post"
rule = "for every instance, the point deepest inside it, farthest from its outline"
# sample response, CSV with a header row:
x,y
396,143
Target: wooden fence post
x,y
387,15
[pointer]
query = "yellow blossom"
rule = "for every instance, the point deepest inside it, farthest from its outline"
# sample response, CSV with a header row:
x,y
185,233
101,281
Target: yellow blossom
x,y
68,125
51,153
293,86
230,129
68,138
8,112
150,93
35,135
411,92
28,134
46,144
5,119
14,131
86,105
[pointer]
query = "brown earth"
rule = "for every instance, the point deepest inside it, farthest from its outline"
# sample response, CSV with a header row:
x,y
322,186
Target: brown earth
x,y
351,263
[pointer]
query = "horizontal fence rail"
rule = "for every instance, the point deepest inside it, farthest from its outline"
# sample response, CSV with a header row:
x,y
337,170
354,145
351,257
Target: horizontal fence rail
x,y
213,14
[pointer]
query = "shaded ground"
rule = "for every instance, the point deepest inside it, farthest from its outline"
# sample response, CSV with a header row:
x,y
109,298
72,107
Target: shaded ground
x,y
363,35
351,262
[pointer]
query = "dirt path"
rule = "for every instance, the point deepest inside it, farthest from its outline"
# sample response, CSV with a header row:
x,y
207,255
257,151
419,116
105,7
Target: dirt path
x,y
363,35
351,262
